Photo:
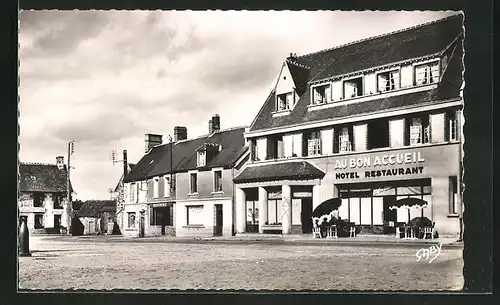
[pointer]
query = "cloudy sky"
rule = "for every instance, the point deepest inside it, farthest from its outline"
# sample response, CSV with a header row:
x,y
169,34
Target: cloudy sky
x,y
106,78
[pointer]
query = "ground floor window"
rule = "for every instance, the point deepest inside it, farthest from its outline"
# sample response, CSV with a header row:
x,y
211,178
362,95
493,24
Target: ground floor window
x,y
194,214
453,195
131,219
371,205
274,212
23,218
162,216
39,224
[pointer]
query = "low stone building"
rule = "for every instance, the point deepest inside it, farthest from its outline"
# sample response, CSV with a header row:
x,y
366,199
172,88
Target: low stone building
x,y
42,200
97,216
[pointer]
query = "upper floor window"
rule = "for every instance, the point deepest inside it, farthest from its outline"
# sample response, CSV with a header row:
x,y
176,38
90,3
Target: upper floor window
x,y
314,143
133,192
156,189
193,183
167,186
427,73
218,181
322,94
285,101
419,130
387,81
378,133
253,149
57,198
353,87
344,139
38,199
202,158
451,132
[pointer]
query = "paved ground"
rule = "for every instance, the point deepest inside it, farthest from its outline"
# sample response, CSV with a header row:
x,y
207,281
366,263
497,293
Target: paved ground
x,y
107,263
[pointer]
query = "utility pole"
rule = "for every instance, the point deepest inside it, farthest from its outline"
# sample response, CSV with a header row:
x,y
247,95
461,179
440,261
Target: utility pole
x,y
69,208
171,164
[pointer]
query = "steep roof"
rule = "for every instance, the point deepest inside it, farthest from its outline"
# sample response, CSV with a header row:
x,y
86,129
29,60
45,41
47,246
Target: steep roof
x,y
130,167
157,161
429,39
92,208
292,170
37,177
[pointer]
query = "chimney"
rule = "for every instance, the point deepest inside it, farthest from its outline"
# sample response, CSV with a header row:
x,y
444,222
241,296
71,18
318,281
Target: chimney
x,y
60,162
214,124
152,140
180,133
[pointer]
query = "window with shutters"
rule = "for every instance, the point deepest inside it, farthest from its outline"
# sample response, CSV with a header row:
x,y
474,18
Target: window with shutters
x,y
427,73
419,130
344,139
387,81
314,143
322,94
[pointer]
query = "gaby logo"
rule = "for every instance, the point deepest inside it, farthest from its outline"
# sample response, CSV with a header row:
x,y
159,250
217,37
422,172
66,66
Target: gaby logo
x,y
426,253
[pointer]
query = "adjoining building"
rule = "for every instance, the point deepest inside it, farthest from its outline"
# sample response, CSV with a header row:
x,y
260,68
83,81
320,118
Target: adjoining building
x,y
43,199
371,122
185,187
118,196
97,216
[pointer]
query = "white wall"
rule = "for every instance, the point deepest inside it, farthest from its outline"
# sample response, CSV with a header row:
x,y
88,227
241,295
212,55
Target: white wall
x,y
406,76
285,82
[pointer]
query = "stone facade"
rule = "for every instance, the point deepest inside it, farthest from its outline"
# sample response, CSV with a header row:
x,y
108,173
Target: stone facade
x,y
48,213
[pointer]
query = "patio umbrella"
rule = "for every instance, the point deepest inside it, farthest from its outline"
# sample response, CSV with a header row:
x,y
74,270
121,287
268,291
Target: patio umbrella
x,y
326,208
408,203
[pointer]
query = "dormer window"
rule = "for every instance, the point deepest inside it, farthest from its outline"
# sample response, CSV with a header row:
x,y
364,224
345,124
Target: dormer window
x,y
202,158
353,87
322,94
387,81
284,101
427,73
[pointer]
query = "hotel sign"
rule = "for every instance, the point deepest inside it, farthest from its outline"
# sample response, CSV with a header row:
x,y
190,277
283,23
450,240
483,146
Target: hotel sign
x,y
392,164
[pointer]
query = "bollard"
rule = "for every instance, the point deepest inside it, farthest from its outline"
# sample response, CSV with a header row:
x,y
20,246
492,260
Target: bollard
x,y
24,240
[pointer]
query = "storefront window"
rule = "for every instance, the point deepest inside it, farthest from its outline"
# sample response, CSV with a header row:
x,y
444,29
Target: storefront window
x,y
274,212
378,210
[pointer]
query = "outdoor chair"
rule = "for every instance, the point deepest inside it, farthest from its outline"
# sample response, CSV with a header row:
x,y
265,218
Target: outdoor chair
x,y
399,231
317,232
352,231
332,232
428,231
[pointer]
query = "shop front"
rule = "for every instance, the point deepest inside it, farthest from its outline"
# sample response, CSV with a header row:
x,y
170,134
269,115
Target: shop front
x,y
371,183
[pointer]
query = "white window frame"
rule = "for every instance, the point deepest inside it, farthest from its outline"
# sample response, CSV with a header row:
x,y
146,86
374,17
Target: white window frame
x,y
214,171
423,134
190,183
133,192
397,85
428,66
187,214
133,224
285,105
345,142
314,145
326,98
202,158
156,187
167,186
357,89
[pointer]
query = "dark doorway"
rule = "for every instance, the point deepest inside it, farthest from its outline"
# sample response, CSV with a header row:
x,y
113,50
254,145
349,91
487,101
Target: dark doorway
x,y
57,221
306,215
141,225
218,220
390,216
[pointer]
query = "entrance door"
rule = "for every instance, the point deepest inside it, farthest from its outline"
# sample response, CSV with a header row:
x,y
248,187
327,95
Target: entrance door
x,y
390,216
306,215
141,225
218,220
91,227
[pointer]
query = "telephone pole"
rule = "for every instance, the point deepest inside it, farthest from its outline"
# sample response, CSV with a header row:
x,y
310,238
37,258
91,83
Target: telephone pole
x,y
69,207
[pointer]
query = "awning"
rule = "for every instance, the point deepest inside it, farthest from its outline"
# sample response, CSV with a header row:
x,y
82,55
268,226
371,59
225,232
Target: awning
x,y
292,170
408,203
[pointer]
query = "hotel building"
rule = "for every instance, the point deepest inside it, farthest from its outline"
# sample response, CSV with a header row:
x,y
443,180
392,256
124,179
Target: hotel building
x,y
371,121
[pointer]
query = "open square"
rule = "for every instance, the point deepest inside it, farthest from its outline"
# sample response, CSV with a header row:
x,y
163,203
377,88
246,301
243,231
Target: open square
x,y
118,263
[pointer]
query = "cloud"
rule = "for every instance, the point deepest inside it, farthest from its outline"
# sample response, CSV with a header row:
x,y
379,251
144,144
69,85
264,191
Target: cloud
x,y
105,78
